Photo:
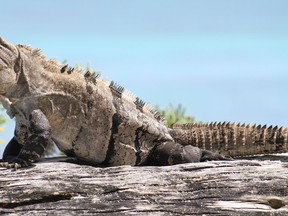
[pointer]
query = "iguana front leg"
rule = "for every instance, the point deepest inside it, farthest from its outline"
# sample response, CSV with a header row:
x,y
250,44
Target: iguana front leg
x,y
33,147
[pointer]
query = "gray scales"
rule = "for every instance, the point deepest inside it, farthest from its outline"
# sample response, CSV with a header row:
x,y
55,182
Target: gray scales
x,y
99,122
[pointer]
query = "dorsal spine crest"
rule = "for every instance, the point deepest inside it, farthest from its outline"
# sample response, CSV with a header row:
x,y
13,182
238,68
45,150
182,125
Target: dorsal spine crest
x,y
116,89
91,76
139,103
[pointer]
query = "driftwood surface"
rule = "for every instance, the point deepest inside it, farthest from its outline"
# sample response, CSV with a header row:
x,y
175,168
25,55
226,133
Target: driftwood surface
x,y
256,186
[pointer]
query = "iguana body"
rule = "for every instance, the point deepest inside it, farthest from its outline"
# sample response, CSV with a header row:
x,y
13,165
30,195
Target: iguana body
x,y
87,117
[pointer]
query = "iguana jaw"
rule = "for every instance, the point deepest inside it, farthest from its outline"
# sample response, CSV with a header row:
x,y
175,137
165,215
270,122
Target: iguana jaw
x,y
8,63
7,80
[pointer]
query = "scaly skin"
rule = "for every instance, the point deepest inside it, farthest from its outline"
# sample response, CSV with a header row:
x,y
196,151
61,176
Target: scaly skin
x,y
233,139
87,117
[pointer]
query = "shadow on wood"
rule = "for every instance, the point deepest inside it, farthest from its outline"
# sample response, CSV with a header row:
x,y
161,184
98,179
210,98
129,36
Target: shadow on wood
x,y
54,187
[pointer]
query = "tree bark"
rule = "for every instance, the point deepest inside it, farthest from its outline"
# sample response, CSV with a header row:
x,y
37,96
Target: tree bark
x,y
254,186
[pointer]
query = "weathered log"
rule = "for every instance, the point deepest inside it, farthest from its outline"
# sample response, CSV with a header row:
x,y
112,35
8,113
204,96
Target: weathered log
x,y
52,187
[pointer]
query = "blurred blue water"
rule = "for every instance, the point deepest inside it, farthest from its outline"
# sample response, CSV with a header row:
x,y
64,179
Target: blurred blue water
x,y
223,60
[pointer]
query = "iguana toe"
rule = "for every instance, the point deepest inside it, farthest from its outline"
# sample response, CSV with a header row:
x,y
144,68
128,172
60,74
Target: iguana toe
x,y
209,156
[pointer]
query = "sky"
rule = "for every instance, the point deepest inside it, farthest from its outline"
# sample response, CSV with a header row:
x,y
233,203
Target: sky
x,y
224,60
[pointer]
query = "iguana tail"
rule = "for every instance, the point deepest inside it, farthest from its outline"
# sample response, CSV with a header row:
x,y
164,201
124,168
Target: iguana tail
x,y
232,139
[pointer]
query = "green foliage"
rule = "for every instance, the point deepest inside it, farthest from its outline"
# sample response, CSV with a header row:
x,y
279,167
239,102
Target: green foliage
x,y
2,121
177,114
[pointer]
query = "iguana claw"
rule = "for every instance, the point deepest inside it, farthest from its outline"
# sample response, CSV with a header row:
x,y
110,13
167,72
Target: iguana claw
x,y
7,165
15,164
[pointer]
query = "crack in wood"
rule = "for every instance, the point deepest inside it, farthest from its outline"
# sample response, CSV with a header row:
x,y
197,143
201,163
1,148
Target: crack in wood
x,y
44,199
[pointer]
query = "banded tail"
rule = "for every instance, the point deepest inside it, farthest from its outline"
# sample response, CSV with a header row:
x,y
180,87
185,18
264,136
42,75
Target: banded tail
x,y
231,139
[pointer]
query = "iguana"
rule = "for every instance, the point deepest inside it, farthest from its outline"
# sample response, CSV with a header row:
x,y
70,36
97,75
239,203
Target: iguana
x,y
102,124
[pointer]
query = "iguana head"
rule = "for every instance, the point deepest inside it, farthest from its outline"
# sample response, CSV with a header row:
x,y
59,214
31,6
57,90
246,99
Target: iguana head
x,y
9,66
